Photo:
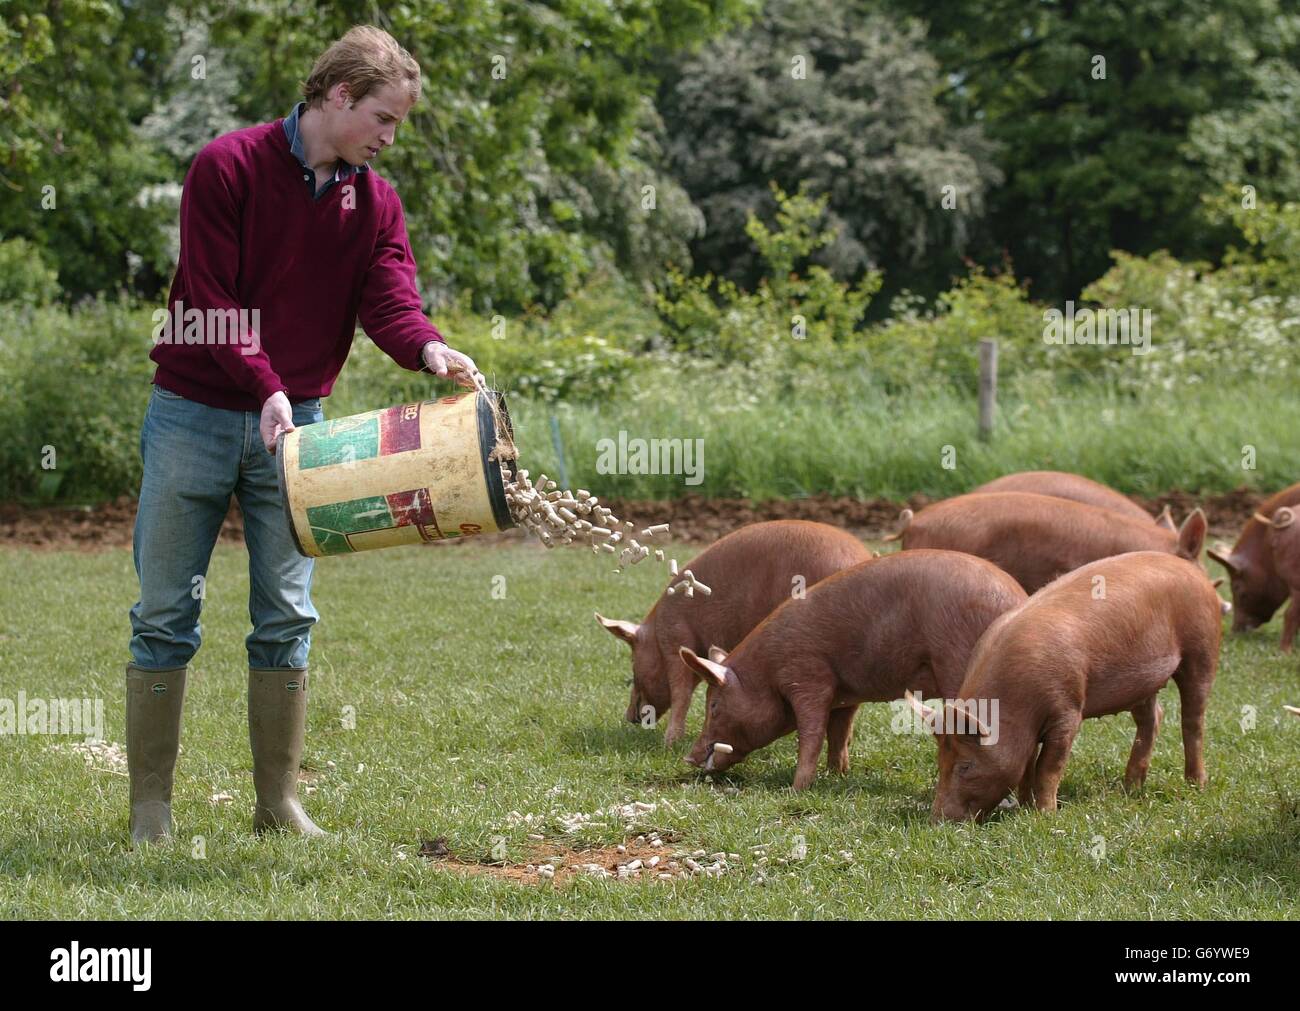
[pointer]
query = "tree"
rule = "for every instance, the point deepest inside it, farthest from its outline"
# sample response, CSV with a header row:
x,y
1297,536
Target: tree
x,y
1108,114
828,95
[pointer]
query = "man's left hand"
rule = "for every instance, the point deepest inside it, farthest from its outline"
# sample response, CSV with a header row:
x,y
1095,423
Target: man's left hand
x,y
444,361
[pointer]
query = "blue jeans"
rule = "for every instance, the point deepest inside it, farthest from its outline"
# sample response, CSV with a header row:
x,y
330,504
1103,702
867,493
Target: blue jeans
x,y
195,458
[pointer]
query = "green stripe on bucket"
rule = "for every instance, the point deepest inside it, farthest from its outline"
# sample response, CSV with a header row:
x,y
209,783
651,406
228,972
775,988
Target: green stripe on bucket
x,y
344,440
352,516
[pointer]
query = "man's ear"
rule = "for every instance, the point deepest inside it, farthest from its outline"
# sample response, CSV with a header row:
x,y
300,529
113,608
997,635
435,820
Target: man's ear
x,y
712,672
624,630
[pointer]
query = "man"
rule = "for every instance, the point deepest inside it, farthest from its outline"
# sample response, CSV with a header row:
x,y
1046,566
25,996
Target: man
x,y
287,239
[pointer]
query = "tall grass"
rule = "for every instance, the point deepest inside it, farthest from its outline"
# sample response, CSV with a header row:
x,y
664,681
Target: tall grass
x,y
872,445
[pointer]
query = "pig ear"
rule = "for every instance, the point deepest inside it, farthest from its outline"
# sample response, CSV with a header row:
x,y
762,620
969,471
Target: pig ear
x,y
1166,520
974,725
1222,554
927,714
1191,538
712,672
717,654
625,630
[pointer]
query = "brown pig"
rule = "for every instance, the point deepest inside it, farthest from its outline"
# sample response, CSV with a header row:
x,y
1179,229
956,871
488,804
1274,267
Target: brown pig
x,y
1098,641
751,571
1257,588
1060,484
1037,538
866,634
1284,547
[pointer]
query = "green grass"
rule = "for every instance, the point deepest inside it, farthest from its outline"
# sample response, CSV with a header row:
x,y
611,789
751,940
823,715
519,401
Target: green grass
x,y
469,707
850,439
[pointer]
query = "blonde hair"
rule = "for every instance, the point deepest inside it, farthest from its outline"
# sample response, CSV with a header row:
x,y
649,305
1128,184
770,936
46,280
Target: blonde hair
x,y
367,58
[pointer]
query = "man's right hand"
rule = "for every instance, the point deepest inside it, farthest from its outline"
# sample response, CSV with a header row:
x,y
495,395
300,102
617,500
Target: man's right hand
x,y
277,418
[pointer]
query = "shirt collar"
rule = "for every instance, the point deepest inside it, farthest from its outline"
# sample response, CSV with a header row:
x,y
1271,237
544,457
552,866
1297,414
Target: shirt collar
x,y
342,169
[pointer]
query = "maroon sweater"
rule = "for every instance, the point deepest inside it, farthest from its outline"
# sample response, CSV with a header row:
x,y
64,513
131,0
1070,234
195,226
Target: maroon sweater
x,y
252,238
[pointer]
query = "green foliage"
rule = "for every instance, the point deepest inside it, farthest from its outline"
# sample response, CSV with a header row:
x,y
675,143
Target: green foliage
x,y
76,381
941,347
1194,95
25,279
77,76
717,319
834,96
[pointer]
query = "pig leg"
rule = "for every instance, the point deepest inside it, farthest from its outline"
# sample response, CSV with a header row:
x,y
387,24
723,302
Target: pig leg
x,y
811,714
1291,621
1025,791
1051,761
1147,715
1194,679
839,731
681,686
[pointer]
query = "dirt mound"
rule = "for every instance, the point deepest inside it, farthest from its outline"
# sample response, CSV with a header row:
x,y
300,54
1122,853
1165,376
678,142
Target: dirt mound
x,y
694,518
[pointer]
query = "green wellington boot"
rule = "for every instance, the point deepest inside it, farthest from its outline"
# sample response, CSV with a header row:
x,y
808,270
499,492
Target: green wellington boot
x,y
154,699
277,724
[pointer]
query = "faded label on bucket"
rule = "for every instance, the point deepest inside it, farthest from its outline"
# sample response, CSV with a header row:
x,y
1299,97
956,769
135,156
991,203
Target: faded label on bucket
x,y
404,517
363,437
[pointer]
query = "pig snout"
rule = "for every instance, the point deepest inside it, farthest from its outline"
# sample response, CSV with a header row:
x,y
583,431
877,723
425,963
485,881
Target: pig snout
x,y
713,757
1243,622
953,809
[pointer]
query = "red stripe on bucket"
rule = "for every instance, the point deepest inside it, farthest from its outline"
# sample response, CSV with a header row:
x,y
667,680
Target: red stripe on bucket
x,y
399,429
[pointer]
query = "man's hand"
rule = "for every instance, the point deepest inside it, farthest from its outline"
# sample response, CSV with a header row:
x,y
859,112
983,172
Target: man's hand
x,y
444,361
277,418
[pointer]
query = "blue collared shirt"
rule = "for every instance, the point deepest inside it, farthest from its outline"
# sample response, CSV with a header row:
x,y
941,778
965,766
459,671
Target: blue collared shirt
x,y
342,170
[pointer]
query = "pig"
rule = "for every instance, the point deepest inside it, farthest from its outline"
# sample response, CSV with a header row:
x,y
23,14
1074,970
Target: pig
x,y
1257,588
1100,640
1284,547
1059,484
1037,538
866,634
751,571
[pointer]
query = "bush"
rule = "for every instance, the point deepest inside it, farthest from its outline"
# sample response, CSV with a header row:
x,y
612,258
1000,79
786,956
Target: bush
x,y
25,278
76,382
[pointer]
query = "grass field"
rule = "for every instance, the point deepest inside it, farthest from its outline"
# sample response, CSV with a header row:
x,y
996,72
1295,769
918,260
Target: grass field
x,y
469,708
